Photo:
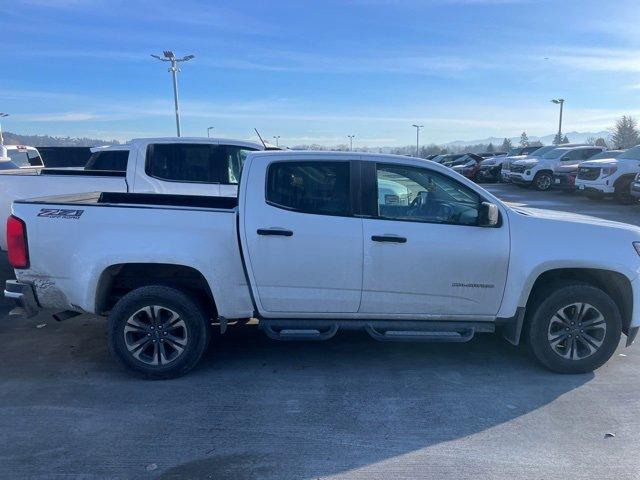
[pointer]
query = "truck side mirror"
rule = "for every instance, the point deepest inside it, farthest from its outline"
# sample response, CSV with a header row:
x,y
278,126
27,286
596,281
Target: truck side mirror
x,y
488,215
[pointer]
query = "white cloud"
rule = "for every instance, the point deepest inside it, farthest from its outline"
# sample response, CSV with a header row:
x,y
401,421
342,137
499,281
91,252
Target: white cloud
x,y
58,117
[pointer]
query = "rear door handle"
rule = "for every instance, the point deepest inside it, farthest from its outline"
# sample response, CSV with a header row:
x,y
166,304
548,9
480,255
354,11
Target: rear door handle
x,y
388,238
275,231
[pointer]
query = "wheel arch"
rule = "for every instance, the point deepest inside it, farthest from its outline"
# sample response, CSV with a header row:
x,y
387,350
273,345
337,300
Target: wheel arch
x,y
118,279
614,284
541,171
627,177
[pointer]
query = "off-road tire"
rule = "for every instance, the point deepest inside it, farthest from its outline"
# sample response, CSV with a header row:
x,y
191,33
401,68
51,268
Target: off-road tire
x,y
194,331
544,308
543,181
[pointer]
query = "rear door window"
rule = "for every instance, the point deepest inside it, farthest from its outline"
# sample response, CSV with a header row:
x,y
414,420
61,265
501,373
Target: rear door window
x,y
310,187
200,163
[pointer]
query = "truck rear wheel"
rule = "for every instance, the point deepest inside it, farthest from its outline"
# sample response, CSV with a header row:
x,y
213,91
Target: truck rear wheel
x,y
574,328
158,332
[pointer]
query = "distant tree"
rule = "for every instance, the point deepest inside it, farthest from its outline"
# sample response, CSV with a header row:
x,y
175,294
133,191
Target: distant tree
x,y
557,140
506,145
432,149
600,142
49,141
536,143
491,148
565,139
625,134
590,141
524,140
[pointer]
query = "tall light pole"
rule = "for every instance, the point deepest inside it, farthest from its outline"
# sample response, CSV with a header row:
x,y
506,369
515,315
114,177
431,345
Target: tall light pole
x,y
351,137
2,115
559,101
418,127
208,131
277,137
170,57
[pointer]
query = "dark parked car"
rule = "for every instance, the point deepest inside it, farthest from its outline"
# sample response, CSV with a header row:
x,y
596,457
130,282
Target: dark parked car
x,y
448,159
468,165
60,157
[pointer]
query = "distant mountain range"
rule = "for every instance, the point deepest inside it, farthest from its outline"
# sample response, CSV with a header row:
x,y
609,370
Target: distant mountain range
x,y
574,137
49,141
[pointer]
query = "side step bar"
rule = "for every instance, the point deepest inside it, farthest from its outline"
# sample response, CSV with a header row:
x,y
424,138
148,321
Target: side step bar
x,y
460,335
297,333
381,330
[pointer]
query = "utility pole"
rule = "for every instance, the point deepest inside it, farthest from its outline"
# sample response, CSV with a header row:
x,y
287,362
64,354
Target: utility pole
x,y
2,115
208,131
351,137
277,137
418,127
170,57
559,101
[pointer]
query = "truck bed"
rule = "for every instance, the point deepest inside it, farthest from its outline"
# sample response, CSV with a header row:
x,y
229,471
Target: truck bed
x,y
64,181
115,229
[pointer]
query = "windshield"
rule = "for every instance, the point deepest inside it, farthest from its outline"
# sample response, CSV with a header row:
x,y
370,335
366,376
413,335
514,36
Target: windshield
x,y
541,151
463,160
24,157
631,154
555,153
514,152
450,158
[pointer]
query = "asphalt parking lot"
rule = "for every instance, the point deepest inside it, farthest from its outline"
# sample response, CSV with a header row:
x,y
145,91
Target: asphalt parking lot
x,y
350,408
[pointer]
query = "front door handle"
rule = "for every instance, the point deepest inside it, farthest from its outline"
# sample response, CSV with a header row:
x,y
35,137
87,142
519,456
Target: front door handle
x,y
388,238
275,231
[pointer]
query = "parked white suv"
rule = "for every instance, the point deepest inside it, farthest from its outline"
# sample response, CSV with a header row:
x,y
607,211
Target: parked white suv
x,y
517,153
538,171
609,176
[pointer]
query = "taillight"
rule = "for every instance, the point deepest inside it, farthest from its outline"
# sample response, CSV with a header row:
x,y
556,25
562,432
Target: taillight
x,y
18,252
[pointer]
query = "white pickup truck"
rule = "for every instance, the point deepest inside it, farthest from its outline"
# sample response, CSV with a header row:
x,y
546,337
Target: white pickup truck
x,y
320,241
193,166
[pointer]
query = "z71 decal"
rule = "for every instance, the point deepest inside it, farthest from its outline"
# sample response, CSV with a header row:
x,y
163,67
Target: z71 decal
x,y
60,213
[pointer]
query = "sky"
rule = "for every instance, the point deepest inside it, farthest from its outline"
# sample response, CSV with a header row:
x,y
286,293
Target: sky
x,y
317,71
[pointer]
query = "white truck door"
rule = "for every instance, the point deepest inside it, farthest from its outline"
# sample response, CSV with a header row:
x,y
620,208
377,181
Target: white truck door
x,y
424,253
303,246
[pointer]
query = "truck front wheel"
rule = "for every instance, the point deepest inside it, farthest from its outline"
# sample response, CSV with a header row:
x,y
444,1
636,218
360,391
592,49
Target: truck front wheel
x,y
575,328
158,332
543,181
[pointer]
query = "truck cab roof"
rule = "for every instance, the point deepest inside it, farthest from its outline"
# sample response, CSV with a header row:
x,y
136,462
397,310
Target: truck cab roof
x,y
215,141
